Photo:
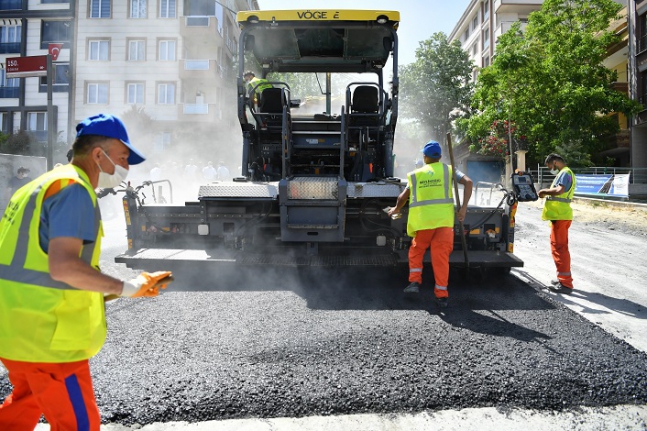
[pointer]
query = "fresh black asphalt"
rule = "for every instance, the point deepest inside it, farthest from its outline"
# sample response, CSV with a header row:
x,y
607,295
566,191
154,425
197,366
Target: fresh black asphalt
x,y
300,343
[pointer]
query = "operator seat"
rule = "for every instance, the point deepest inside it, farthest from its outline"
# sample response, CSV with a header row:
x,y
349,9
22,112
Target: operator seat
x,y
364,115
365,100
272,101
271,107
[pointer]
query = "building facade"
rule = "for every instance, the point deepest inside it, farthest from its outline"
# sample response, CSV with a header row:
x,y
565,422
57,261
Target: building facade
x,y
168,60
27,27
637,72
484,21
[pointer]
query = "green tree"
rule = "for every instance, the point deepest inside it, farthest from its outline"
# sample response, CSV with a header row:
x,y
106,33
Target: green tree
x,y
551,82
436,88
22,143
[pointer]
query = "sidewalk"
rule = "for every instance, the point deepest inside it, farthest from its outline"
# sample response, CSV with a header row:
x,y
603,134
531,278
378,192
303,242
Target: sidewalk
x,y
484,419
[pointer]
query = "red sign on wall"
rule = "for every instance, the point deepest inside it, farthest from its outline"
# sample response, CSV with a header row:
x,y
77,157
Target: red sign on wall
x,y
20,67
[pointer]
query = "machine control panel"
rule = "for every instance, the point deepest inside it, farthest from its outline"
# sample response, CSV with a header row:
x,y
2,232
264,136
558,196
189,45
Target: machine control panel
x,y
524,187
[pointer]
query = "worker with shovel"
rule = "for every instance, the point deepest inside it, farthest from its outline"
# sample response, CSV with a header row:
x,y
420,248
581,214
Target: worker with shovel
x,y
431,218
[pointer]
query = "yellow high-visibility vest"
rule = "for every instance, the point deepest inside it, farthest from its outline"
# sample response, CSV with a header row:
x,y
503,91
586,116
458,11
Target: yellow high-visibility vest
x,y
431,201
559,207
41,319
260,84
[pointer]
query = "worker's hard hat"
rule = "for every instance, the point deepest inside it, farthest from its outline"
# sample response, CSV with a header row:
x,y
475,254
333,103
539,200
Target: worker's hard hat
x,y
111,127
432,149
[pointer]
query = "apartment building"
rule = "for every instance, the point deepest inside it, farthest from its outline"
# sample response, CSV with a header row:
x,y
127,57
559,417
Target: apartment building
x,y
170,59
484,21
637,72
27,27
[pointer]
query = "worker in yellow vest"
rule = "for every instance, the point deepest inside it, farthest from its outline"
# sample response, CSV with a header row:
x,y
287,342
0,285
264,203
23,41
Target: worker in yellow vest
x,y
557,210
52,294
257,85
431,218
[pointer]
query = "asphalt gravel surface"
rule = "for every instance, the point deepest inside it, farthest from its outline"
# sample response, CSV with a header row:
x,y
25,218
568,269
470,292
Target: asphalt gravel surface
x,y
353,345
295,343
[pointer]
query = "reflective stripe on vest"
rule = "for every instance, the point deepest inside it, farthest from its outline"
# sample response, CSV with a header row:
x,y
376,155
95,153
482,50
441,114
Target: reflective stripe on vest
x,y
43,320
17,272
559,207
555,198
435,208
414,202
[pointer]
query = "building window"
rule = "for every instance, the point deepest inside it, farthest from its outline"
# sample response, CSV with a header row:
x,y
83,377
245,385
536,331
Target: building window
x,y
97,93
166,93
55,32
166,50
642,35
99,8
136,50
61,81
37,121
138,8
486,61
8,82
3,125
135,93
167,9
475,22
486,10
9,87
643,90
163,141
99,50
10,4
474,49
486,39
10,39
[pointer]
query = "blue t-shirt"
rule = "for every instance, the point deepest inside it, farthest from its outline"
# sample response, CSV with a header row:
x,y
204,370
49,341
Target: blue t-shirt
x,y
564,178
68,213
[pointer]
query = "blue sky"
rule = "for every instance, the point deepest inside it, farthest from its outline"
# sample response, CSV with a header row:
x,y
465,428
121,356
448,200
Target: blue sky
x,y
419,19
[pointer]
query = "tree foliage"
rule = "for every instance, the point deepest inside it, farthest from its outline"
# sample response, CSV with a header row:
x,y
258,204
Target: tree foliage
x,y
551,82
436,87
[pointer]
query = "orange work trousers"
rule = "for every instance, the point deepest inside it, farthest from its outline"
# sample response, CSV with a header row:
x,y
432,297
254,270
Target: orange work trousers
x,y
61,391
559,247
440,241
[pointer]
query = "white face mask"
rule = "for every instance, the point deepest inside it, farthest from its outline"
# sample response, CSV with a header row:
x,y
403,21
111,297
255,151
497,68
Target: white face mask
x,y
110,181
554,171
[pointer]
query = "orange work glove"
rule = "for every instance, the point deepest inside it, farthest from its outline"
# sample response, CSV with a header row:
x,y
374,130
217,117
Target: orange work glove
x,y
147,284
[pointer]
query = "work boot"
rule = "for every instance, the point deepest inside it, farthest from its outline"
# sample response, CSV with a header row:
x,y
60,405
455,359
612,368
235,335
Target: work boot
x,y
441,302
560,288
414,287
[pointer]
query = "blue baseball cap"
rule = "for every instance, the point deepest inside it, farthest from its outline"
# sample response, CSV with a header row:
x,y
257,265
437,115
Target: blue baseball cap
x,y
112,127
432,149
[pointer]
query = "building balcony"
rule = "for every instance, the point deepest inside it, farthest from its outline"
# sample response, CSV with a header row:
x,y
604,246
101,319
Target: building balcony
x,y
621,87
10,4
10,48
623,139
518,6
195,109
504,26
198,69
201,24
200,112
9,92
